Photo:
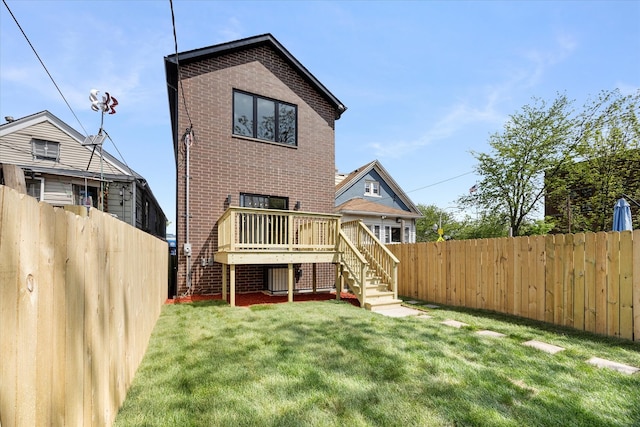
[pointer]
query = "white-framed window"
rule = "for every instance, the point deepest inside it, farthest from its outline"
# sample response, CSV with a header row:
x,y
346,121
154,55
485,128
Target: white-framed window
x,y
372,188
45,150
375,229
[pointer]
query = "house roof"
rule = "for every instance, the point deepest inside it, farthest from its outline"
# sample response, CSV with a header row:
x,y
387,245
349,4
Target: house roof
x,y
127,174
362,171
360,206
46,116
196,55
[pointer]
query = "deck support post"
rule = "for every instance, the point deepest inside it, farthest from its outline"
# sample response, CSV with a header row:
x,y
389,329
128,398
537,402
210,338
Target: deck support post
x,y
224,282
290,282
232,285
338,281
314,278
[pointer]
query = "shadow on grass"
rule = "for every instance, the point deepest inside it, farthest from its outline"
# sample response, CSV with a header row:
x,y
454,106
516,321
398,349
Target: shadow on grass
x,y
328,363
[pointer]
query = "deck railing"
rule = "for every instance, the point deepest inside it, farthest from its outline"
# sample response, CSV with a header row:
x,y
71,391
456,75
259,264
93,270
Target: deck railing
x,y
355,264
380,259
247,229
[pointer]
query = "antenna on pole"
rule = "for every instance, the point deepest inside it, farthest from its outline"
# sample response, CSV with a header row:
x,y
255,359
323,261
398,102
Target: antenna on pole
x,y
105,105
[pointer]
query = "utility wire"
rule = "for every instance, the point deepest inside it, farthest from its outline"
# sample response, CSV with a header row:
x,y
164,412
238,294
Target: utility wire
x,y
175,41
440,182
121,156
19,150
44,66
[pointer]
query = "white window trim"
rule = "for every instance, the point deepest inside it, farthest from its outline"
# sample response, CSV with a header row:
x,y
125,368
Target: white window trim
x,y
372,188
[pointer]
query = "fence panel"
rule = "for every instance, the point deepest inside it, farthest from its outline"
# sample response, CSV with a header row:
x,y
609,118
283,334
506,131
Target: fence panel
x,y
579,281
588,281
80,297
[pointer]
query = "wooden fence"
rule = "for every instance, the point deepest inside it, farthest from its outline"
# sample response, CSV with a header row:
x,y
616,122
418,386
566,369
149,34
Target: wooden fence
x,y
79,299
588,281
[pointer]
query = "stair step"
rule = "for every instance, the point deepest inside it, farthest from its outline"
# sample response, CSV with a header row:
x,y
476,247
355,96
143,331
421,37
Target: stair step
x,y
382,304
374,293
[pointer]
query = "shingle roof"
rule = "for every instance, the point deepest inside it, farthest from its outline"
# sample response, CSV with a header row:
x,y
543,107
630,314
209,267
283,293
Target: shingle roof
x,y
360,206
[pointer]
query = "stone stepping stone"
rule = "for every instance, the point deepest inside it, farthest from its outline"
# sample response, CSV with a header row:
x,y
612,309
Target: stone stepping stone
x,y
424,316
491,334
431,306
454,323
414,302
548,348
399,312
620,367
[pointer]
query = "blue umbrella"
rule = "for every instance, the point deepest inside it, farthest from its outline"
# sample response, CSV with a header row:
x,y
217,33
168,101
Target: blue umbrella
x,y
622,216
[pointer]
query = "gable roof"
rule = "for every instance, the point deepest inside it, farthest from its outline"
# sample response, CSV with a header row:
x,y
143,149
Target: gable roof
x,y
171,63
361,172
46,116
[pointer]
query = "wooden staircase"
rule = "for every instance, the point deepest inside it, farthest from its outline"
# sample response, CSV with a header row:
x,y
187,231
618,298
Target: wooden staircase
x,y
368,268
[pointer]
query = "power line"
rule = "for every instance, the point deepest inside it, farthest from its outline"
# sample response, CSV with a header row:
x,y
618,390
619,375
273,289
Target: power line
x,y
431,185
175,41
44,66
19,150
440,182
121,156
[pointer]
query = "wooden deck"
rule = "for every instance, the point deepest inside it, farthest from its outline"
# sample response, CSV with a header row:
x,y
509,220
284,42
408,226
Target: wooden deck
x,y
268,236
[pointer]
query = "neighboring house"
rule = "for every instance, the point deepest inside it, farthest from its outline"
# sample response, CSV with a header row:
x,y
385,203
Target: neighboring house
x,y
253,134
60,170
370,194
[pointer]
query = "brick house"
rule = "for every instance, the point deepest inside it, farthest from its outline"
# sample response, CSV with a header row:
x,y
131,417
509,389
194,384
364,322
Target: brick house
x,y
253,134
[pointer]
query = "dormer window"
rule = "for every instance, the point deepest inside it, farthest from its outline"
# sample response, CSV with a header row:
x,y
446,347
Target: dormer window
x,y
265,119
372,188
45,150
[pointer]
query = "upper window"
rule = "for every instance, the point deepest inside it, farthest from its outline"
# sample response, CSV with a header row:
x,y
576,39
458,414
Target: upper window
x,y
264,118
45,150
372,188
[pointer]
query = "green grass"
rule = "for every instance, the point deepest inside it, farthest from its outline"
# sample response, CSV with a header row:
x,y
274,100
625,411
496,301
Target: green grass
x,y
331,364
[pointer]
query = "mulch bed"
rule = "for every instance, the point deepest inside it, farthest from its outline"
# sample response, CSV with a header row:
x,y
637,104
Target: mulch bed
x,y
245,300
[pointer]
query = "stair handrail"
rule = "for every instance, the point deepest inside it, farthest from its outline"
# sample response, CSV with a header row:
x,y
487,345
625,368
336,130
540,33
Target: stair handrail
x,y
379,257
355,263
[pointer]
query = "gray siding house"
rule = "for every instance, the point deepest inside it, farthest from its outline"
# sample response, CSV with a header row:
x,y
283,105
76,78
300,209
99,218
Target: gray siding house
x,y
60,170
370,194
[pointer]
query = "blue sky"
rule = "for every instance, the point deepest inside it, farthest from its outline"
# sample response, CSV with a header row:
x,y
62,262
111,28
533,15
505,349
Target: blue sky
x,y
424,82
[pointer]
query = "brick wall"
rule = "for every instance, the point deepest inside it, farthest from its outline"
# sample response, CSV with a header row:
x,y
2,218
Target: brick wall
x,y
222,164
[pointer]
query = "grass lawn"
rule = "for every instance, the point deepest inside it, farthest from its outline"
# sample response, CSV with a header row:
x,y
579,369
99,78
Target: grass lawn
x,y
331,364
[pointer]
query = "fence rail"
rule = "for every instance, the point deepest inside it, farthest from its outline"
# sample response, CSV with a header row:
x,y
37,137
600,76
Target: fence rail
x,y
588,281
79,299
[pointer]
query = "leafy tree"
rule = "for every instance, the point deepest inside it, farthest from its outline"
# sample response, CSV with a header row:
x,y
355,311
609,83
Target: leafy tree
x,y
548,151
532,141
488,225
433,216
538,227
606,167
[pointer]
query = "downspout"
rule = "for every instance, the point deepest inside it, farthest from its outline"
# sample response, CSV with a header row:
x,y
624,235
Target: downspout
x,y
188,138
134,202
